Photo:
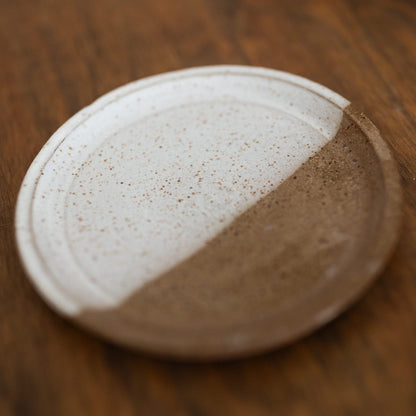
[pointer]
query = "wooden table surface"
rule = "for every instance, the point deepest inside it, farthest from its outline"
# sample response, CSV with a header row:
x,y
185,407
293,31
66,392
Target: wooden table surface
x,y
58,56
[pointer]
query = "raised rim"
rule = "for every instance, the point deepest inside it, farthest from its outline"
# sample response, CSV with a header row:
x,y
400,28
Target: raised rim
x,y
224,346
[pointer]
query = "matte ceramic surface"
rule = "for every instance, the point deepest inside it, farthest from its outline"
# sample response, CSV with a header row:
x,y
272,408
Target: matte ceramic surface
x,y
210,212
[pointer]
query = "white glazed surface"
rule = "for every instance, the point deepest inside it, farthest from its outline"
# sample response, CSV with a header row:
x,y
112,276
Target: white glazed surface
x,y
145,176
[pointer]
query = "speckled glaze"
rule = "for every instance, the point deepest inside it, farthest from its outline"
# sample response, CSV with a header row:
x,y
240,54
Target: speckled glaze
x,y
186,212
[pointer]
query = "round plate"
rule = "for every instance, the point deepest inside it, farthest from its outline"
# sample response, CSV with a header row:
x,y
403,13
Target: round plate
x,y
209,213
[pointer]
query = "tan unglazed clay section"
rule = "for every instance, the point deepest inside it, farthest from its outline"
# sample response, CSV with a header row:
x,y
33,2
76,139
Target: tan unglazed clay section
x,y
310,234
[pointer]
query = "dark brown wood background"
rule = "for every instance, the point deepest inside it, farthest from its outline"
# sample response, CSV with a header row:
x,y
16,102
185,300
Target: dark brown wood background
x,y
58,56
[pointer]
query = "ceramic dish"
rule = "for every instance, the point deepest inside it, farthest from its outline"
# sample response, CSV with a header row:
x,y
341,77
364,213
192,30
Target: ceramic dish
x,y
209,213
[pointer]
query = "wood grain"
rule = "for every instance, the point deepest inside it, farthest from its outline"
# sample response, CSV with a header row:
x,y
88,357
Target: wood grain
x,y
56,57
